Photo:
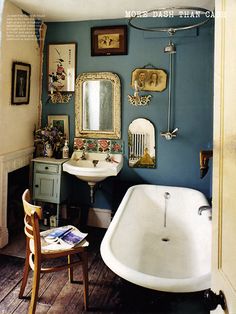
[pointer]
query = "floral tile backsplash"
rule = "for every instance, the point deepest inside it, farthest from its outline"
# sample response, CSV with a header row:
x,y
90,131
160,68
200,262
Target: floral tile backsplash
x,y
104,145
91,146
98,145
79,143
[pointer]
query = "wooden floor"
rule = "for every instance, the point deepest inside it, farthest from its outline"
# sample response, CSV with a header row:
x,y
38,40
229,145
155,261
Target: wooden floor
x,y
107,292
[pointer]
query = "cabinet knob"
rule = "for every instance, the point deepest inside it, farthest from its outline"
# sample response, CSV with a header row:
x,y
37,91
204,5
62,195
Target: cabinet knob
x,y
36,185
46,168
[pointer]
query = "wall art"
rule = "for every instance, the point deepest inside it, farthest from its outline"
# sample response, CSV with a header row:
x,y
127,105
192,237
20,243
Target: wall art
x,y
153,80
61,122
109,40
20,83
61,67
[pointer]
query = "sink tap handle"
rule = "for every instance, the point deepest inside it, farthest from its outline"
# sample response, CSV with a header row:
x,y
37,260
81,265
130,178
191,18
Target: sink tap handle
x,y
83,157
108,158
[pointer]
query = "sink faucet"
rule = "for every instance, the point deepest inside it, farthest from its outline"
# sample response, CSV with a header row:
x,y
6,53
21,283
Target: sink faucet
x,y
95,162
83,157
203,208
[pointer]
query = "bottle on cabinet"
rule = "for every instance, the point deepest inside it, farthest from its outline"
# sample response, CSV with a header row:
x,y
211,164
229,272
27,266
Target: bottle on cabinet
x,y
46,218
65,150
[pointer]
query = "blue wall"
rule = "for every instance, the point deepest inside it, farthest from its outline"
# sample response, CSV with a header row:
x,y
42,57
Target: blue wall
x,y
177,160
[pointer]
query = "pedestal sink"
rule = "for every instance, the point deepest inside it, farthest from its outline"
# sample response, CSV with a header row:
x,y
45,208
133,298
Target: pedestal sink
x,y
93,167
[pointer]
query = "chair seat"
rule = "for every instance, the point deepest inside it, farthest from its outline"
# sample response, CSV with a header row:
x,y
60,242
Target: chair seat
x,y
54,248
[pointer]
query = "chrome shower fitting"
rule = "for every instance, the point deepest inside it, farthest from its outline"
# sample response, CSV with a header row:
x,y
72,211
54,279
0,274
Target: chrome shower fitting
x,y
168,135
170,48
178,11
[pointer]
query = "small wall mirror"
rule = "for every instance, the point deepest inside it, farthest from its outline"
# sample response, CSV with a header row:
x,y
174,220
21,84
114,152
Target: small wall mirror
x,y
97,105
141,139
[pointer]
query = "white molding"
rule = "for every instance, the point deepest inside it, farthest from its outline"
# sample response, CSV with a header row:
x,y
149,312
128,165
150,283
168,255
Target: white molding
x,y
10,162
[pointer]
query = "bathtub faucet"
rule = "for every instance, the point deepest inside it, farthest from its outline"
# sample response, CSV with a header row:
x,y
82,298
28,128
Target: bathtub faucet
x,y
166,196
205,207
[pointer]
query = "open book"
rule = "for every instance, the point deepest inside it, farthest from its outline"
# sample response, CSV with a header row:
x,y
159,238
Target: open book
x,y
66,236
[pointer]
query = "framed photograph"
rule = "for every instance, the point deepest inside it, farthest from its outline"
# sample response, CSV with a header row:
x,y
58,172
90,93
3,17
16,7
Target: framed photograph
x,y
20,83
61,122
61,67
153,80
109,40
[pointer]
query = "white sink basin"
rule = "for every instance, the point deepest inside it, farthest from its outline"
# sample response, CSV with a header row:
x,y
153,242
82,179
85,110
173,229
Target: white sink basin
x,y
85,169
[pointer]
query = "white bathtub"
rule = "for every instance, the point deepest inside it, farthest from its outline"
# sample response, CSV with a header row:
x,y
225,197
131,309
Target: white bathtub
x,y
139,248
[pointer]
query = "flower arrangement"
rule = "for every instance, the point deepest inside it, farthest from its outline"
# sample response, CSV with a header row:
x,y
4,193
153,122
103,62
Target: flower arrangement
x,y
49,136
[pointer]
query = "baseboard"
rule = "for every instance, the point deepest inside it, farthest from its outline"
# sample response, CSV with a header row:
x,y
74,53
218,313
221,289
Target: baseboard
x,y
98,217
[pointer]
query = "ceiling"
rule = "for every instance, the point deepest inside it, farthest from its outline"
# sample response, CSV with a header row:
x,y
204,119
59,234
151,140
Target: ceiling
x,y
82,10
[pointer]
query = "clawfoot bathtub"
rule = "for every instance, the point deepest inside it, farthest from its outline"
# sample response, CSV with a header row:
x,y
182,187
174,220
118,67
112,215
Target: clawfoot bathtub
x,y
158,240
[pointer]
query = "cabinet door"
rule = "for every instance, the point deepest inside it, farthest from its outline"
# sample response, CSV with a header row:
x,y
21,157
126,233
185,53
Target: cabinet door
x,y
46,187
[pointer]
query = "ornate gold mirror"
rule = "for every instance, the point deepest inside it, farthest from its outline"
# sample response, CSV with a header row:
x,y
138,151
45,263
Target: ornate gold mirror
x,y
97,105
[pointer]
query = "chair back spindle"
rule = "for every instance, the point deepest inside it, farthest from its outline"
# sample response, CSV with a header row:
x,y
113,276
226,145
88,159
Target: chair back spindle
x,y
32,215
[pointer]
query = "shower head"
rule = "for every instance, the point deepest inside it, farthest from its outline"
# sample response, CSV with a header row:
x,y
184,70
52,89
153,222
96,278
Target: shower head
x,y
170,48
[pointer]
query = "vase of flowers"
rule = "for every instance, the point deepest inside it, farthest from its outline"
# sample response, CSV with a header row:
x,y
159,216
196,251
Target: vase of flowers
x,y
51,139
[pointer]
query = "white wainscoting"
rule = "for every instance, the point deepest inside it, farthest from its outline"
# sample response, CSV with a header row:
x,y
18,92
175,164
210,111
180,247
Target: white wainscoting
x,y
10,162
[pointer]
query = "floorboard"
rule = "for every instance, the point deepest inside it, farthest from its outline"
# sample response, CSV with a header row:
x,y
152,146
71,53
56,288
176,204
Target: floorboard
x,y
108,293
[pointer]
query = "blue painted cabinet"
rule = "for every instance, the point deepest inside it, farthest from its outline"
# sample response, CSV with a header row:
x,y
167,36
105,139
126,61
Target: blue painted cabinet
x,y
49,181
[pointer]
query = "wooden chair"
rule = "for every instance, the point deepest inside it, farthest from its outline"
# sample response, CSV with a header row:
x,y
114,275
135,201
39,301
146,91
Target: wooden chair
x,y
35,254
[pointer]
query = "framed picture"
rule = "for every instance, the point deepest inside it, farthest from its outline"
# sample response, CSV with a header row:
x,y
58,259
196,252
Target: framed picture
x,y
61,122
20,83
109,40
61,67
153,80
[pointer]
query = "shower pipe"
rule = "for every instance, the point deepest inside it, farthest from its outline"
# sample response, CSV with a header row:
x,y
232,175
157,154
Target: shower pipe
x,y
169,135
170,30
170,87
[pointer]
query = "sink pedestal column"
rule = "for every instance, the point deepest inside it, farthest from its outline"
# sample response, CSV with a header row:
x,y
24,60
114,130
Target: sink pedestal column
x,y
92,185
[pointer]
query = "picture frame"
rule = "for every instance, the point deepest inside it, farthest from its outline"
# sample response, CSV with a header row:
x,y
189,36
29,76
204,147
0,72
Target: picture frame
x,y
152,80
109,40
61,67
61,122
21,73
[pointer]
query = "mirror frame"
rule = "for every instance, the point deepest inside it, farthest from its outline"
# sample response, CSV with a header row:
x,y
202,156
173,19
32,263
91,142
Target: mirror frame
x,y
144,156
116,105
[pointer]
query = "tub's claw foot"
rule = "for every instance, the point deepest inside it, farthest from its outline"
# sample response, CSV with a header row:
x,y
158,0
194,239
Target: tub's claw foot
x,y
212,300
